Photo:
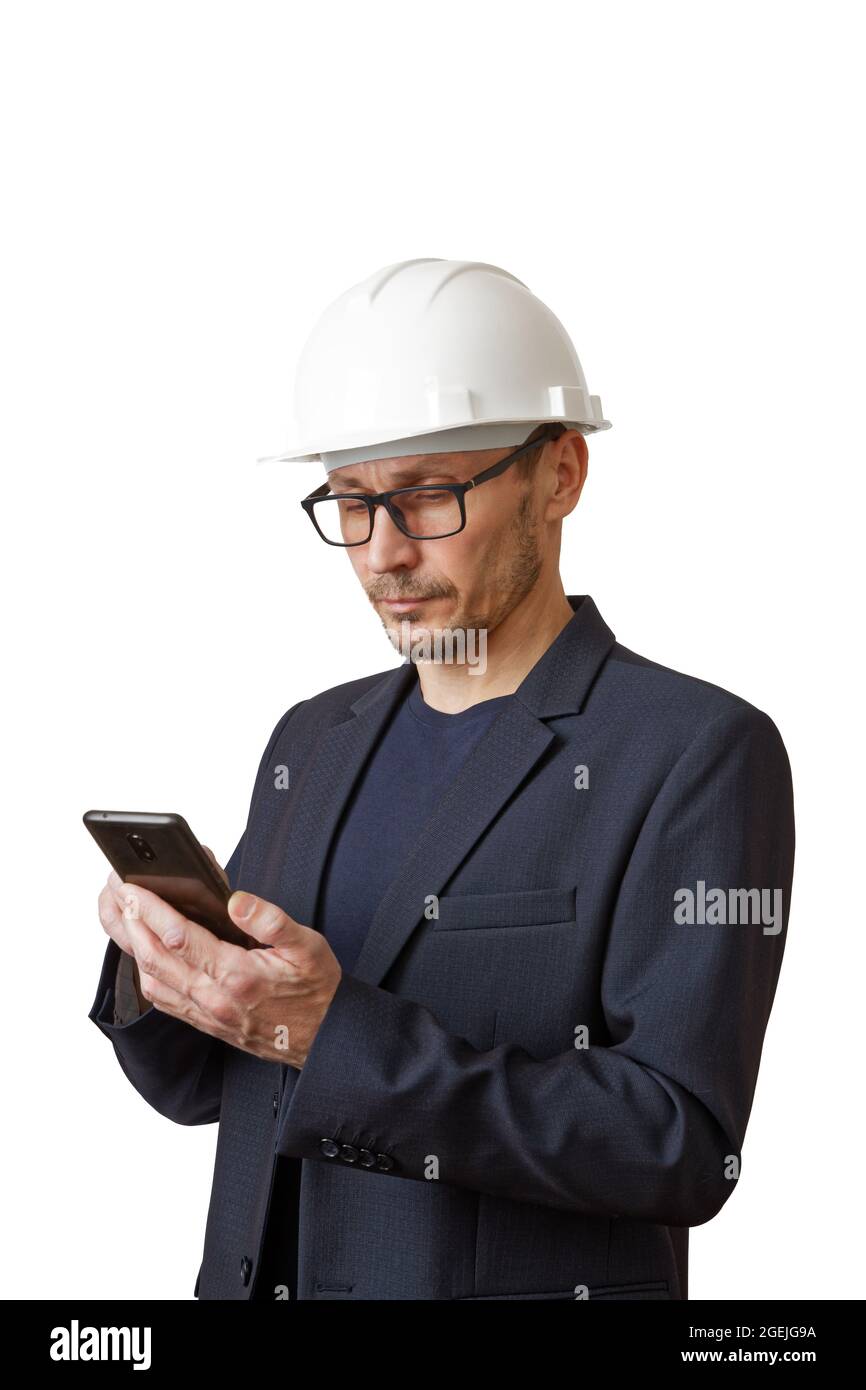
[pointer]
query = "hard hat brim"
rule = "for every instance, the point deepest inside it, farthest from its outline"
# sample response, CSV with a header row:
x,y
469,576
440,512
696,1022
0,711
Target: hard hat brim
x,y
304,453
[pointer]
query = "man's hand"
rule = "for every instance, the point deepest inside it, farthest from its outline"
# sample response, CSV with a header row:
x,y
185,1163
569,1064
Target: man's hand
x,y
111,917
267,1002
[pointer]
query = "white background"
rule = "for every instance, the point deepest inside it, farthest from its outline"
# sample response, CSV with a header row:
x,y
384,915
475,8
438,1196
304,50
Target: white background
x,y
185,187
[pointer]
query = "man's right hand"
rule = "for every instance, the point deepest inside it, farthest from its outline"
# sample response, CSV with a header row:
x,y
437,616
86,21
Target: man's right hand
x,y
112,914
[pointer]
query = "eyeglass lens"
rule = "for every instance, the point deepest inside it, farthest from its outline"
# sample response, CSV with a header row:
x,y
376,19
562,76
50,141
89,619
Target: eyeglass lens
x,y
424,512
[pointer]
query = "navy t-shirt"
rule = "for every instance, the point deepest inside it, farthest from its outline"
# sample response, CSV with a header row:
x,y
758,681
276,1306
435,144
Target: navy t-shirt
x,y
417,755
416,758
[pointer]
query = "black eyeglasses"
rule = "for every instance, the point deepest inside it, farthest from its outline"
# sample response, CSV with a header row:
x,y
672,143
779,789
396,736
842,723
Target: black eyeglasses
x,y
425,513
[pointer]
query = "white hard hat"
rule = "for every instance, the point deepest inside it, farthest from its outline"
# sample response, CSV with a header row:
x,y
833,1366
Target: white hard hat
x,y
428,355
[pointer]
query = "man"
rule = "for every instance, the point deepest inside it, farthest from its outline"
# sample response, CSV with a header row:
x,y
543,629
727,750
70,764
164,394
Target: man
x,y
521,913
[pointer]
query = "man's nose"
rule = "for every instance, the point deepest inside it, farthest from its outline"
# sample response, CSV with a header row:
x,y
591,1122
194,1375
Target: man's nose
x,y
388,547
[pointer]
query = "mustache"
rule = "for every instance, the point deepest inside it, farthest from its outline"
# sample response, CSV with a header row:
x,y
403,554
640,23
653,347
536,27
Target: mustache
x,y
376,595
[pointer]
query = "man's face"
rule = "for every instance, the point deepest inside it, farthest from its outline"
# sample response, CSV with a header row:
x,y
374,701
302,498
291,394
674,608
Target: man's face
x,y
471,580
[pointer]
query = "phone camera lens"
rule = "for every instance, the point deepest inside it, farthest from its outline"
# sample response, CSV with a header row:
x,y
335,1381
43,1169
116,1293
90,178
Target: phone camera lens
x,y
142,848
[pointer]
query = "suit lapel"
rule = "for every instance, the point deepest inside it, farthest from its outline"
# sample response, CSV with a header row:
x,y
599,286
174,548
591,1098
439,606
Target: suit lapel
x,y
495,767
322,789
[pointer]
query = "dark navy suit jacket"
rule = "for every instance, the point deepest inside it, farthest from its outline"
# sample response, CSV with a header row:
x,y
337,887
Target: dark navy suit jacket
x,y
537,1077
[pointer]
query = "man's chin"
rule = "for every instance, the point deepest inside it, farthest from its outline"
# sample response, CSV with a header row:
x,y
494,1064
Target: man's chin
x,y
405,628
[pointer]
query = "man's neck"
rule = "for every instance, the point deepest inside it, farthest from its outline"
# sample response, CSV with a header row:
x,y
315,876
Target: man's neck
x,y
512,649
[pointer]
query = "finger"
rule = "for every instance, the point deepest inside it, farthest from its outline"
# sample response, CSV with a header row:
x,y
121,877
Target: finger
x,y
163,997
192,1006
153,960
190,945
168,982
170,1000
264,921
111,918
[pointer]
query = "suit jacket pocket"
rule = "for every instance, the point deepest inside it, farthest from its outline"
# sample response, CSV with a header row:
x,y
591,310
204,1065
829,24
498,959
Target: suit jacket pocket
x,y
525,908
654,1288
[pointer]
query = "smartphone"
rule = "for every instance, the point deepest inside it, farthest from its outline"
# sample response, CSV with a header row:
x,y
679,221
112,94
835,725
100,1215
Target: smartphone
x,y
161,853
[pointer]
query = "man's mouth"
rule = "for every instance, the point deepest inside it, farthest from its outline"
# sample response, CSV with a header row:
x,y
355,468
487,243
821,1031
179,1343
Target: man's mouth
x,y
399,605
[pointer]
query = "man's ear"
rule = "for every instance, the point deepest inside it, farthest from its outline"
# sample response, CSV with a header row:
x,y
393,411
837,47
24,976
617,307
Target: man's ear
x,y
574,441
572,445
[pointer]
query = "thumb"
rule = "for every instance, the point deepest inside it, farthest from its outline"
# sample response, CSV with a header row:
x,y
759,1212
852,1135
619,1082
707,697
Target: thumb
x,y
263,921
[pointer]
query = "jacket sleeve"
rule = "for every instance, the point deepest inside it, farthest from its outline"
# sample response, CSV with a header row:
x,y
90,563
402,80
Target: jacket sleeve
x,y
174,1066
648,1126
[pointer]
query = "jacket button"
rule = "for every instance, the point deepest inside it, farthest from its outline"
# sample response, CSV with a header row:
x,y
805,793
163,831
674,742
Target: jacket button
x,y
384,1162
276,1101
348,1153
328,1148
246,1269
367,1159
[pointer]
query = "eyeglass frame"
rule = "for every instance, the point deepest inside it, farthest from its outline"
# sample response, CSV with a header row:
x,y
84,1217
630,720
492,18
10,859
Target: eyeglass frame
x,y
383,499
